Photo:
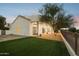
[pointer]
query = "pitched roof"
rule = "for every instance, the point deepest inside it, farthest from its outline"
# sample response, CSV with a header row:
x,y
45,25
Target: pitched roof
x,y
24,17
21,17
29,18
33,17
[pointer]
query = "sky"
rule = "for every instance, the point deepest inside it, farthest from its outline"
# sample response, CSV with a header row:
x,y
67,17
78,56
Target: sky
x,y
12,10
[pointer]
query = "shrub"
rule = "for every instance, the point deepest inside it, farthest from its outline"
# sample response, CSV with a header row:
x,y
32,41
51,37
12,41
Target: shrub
x,y
72,29
78,31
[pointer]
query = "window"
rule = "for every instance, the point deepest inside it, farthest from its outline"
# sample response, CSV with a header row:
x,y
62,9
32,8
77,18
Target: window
x,y
34,30
43,30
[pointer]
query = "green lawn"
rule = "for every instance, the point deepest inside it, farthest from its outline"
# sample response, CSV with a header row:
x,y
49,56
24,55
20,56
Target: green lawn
x,y
32,46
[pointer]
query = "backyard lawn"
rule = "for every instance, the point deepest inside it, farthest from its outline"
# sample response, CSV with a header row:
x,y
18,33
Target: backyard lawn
x,y
31,46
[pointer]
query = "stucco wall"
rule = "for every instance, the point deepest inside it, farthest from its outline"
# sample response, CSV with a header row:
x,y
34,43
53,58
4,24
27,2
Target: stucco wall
x,y
20,26
33,24
48,29
0,32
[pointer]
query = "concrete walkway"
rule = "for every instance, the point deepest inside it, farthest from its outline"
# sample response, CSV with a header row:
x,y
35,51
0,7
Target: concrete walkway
x,y
10,37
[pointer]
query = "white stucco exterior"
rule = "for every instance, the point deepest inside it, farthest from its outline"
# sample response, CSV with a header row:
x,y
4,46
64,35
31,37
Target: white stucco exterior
x,y
20,26
48,29
0,31
29,27
40,26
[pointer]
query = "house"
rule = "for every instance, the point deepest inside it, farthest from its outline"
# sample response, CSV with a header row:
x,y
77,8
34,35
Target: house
x,y
76,22
29,26
5,29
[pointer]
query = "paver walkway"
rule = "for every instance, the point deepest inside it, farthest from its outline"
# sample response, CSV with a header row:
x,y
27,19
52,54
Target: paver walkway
x,y
10,37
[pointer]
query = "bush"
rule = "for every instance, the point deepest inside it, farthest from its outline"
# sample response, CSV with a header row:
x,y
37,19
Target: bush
x,y
72,29
78,31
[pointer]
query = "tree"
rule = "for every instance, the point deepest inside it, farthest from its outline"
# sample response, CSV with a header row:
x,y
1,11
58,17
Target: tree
x,y
2,24
53,14
63,21
73,29
48,13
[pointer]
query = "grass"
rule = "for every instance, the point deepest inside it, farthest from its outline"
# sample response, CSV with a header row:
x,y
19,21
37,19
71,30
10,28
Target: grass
x,y
32,46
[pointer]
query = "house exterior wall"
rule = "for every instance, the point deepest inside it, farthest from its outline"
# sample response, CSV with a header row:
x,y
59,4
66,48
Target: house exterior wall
x,y
33,24
75,22
8,32
48,29
21,26
40,26
5,31
0,32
